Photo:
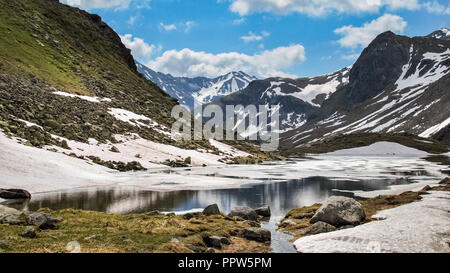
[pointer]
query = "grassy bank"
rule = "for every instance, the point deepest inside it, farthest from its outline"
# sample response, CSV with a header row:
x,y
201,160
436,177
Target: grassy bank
x,y
137,233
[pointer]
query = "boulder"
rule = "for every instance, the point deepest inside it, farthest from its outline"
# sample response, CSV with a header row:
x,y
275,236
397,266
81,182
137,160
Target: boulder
x,y
340,211
42,220
319,227
263,211
245,213
213,241
28,233
257,234
211,210
14,194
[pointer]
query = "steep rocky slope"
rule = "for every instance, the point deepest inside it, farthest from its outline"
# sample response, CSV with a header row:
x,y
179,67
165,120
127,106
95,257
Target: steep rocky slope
x,y
69,85
398,84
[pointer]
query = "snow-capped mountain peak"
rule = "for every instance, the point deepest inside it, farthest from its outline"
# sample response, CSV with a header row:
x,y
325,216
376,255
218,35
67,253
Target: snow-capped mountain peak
x,y
442,34
200,89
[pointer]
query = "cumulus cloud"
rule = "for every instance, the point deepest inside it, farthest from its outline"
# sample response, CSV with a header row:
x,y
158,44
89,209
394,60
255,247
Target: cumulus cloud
x,y
139,48
319,7
268,63
98,4
362,36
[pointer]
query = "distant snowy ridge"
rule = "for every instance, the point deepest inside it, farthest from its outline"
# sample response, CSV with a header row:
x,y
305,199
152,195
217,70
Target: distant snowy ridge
x,y
200,90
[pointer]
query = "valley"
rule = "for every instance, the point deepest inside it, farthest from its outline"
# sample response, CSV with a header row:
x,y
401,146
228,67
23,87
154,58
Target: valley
x,y
90,160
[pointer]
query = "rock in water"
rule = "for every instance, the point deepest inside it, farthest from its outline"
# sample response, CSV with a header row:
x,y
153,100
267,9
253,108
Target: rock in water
x,y
211,210
257,234
244,212
320,227
263,211
14,194
340,211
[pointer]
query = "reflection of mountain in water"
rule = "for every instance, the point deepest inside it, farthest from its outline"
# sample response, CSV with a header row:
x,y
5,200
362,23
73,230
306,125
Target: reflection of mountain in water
x,y
281,196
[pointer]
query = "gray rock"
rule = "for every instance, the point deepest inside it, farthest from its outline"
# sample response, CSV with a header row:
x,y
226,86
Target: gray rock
x,y
257,234
211,210
14,194
244,212
340,211
42,220
213,241
13,220
29,233
225,241
320,227
263,211
210,250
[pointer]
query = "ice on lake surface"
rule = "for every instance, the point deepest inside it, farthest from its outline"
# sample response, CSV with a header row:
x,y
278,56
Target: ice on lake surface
x,y
282,186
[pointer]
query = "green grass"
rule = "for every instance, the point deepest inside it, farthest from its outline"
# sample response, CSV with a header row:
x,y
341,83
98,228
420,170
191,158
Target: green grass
x,y
123,233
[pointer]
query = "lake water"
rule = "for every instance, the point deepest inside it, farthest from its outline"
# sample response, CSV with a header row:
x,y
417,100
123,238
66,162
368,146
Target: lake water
x,y
273,189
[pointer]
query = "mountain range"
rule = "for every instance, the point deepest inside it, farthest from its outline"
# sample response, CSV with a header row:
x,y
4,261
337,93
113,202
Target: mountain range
x,y
398,85
201,90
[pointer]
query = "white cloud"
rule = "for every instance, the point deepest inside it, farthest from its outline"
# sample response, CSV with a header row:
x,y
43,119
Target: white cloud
x,y
319,7
139,48
268,63
362,36
98,4
188,26
167,27
239,21
351,57
437,8
252,37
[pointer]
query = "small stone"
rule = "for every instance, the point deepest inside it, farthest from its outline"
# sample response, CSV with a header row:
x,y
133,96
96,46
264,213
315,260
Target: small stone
x,y
319,227
244,212
42,220
211,210
91,237
29,233
114,149
257,234
213,241
210,250
225,241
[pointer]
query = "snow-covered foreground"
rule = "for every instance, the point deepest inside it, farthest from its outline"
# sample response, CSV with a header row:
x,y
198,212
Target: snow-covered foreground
x,y
417,227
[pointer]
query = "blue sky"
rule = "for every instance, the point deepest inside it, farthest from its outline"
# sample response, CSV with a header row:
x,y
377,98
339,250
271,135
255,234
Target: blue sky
x,y
294,38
